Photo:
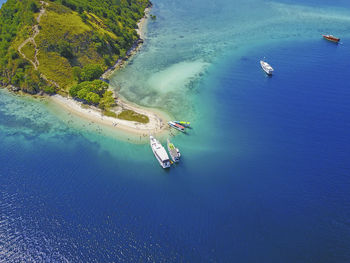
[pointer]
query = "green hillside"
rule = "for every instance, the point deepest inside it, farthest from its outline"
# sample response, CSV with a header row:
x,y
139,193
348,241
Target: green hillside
x,y
54,46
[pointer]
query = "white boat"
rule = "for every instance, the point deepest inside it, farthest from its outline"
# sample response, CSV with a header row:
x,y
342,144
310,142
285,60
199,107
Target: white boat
x,y
159,152
173,151
176,126
266,67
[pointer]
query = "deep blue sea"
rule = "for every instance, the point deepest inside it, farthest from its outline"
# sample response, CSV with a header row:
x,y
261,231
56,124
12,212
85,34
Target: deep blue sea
x,y
265,175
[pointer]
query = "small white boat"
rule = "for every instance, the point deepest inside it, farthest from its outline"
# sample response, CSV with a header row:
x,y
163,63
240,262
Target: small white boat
x,y
159,152
173,151
266,67
176,126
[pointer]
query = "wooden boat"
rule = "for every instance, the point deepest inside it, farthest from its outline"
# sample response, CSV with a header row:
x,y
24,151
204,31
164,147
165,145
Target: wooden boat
x,y
186,124
173,151
331,38
176,126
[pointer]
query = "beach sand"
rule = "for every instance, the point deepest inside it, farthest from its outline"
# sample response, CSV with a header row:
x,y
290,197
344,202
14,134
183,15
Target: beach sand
x,y
157,124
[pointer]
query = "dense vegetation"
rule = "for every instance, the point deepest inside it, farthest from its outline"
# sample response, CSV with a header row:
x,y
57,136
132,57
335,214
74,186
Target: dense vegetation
x,y
130,115
78,40
16,18
94,92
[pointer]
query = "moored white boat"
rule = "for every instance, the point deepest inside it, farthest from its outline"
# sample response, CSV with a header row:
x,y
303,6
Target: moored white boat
x,y
176,126
159,152
266,67
173,151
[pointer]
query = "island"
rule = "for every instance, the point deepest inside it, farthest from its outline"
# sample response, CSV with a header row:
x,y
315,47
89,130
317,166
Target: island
x,y
67,50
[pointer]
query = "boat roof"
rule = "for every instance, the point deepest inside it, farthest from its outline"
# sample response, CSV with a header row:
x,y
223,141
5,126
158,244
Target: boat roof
x,y
265,65
331,36
162,153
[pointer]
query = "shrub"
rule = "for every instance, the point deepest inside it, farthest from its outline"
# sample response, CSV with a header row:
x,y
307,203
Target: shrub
x,y
107,100
77,74
92,97
34,7
49,89
110,113
91,72
65,49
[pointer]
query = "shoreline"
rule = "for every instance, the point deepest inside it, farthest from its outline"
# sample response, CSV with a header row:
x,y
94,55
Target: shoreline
x,y
134,49
157,124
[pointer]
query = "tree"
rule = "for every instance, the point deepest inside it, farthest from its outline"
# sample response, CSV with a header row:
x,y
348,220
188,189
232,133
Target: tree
x,y
74,91
82,93
107,100
33,7
92,92
80,10
65,49
98,86
77,74
49,89
107,60
92,97
83,16
18,78
91,72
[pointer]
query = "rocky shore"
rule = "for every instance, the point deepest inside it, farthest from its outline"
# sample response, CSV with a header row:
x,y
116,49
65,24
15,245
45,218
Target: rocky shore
x,y
133,50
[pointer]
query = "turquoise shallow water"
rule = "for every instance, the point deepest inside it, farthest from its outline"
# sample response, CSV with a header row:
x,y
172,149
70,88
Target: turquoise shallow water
x,y
264,175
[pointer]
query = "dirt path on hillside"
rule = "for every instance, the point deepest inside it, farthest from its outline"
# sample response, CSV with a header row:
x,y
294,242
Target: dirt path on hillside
x,y
31,39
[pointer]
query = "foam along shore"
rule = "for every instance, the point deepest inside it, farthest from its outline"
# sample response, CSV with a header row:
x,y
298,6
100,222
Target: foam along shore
x,y
156,125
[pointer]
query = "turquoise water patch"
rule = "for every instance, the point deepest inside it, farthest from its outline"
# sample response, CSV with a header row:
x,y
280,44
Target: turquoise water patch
x,y
176,76
182,44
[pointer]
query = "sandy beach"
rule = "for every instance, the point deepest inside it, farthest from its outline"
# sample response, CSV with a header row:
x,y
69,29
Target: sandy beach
x,y
157,124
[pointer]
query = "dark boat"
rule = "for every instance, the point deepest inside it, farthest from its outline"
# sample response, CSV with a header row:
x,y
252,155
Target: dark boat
x,y
331,38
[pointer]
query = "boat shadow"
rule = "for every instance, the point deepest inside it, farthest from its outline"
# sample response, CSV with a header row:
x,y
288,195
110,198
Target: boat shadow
x,y
176,132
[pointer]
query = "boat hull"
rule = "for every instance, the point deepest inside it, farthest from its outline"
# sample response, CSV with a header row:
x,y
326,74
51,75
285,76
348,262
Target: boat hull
x,y
182,123
175,159
268,72
173,152
331,39
266,68
176,126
